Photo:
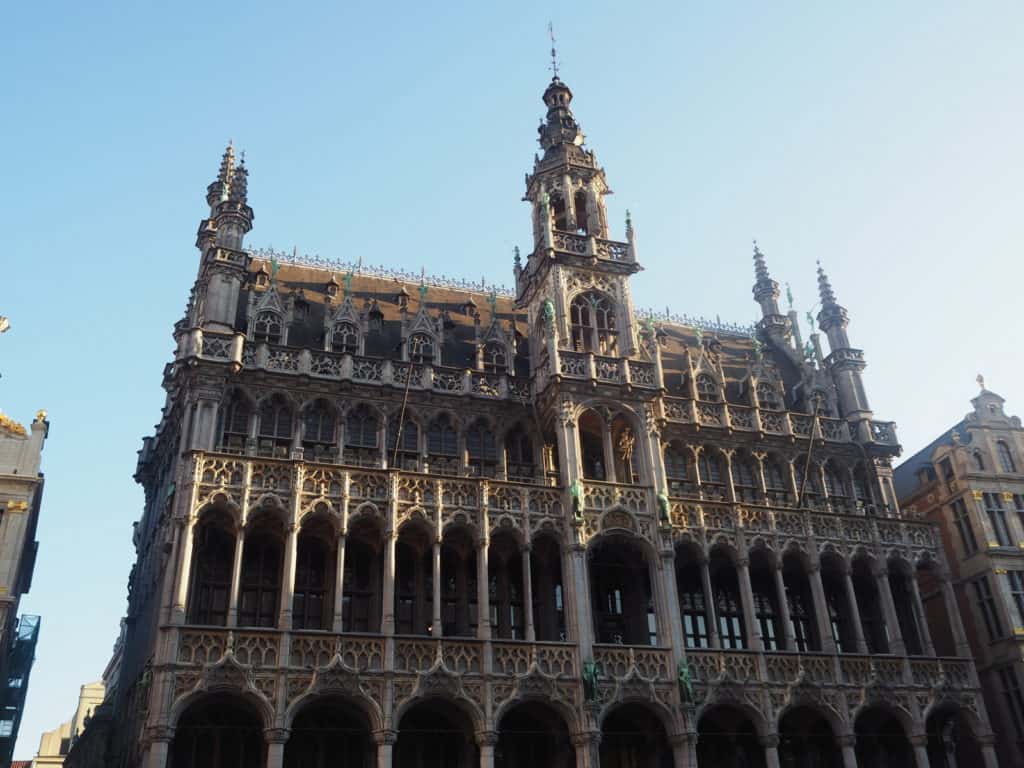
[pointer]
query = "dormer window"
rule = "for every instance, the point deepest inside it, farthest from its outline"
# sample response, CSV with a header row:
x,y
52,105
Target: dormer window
x,y
707,388
594,326
301,310
495,358
767,397
376,318
262,279
345,339
332,289
267,328
421,348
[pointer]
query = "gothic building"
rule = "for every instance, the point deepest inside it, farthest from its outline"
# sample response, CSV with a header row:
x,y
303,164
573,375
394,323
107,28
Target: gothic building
x,y
970,481
397,521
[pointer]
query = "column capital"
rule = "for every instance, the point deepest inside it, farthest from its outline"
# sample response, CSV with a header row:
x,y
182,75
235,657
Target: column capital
x,y
276,735
385,736
847,740
486,738
919,740
770,741
586,738
155,733
682,739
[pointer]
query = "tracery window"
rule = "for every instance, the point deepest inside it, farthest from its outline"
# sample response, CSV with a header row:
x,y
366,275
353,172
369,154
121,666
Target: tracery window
x,y
776,480
360,608
362,433
481,449
211,580
275,431
495,358
519,462
766,617
731,630
235,424
768,397
267,327
800,612
707,388
310,609
443,446
404,449
421,348
835,485
1005,457
744,479
692,605
260,583
861,486
593,324
345,338
712,475
318,430
809,488
677,469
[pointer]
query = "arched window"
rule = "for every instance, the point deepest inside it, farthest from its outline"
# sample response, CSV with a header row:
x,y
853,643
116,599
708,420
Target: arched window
x,y
979,461
481,450
260,584
692,604
495,358
362,432
624,451
712,475
311,607
591,431
267,327
768,397
557,204
505,588
725,585
707,388
421,348
593,323
459,614
318,431
443,446
235,417
407,455
345,338
519,463
776,481
744,478
621,595
275,431
582,220
211,579
1005,457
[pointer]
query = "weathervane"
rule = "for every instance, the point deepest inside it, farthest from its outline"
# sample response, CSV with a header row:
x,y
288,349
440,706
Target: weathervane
x,y
554,51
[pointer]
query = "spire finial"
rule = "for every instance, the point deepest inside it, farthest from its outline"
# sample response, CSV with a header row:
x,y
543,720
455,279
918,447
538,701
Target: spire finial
x,y
760,267
828,297
554,51
789,296
981,381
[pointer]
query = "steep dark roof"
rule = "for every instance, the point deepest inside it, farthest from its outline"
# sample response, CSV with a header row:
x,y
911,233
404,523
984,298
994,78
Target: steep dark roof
x,y
905,479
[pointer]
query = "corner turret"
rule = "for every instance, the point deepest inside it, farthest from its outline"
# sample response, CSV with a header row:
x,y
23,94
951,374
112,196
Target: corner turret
x,y
844,363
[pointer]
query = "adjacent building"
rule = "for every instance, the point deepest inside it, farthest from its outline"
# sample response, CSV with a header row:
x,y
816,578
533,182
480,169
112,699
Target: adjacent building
x,y
21,493
54,745
396,520
970,481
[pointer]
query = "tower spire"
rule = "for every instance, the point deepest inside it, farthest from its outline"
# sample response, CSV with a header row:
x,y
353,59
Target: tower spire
x,y
554,52
220,189
760,267
766,290
828,296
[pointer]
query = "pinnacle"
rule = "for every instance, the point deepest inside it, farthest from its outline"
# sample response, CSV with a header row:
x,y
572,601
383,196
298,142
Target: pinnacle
x,y
828,296
760,266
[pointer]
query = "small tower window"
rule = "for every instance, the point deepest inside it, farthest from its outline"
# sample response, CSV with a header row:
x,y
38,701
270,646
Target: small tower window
x,y
300,310
594,326
580,200
495,358
421,348
345,339
767,397
1005,457
267,328
558,210
707,388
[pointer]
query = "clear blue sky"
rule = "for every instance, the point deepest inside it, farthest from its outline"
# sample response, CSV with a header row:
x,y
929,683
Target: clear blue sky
x,y
886,139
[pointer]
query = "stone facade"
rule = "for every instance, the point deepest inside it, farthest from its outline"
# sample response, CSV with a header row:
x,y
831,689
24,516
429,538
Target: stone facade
x,y
21,494
970,481
408,521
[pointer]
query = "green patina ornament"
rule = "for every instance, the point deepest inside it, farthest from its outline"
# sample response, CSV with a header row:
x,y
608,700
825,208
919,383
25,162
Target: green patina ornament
x,y
576,493
810,319
758,349
685,682
348,282
699,332
663,508
590,680
808,351
789,295
549,312
275,267
423,291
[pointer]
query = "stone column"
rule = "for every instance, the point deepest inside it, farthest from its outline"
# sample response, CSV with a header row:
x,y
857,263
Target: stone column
x,y
788,638
709,604
754,641
588,753
531,634
288,578
684,750
276,738
670,608
487,741
828,643
156,756
435,598
385,741
927,647
483,595
919,741
896,645
848,743
963,648
236,578
184,571
988,751
387,620
339,585
771,751
851,599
